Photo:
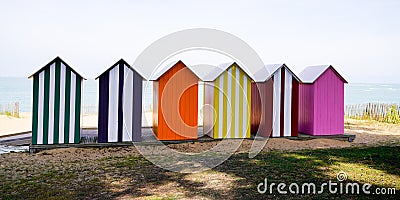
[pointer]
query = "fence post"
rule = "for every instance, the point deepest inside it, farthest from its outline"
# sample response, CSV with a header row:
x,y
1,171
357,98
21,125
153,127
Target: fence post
x,y
16,109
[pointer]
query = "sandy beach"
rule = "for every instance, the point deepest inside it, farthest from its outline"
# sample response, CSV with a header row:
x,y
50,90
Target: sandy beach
x,y
10,125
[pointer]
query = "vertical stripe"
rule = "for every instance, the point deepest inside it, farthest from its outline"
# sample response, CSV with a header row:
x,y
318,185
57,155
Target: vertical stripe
x,y
51,104
233,103
229,113
221,107
72,109
103,107
295,107
248,108
113,105
288,104
245,108
277,104
46,105
67,104
120,101
207,118
282,120
225,99
77,135
209,114
40,108
35,108
62,104
57,103
241,100
216,113
237,102
128,105
136,115
267,103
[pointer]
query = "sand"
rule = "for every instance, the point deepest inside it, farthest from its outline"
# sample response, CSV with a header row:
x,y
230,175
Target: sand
x,y
369,132
10,125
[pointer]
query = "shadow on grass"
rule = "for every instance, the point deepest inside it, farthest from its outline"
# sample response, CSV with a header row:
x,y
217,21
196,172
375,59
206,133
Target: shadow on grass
x,y
237,178
316,166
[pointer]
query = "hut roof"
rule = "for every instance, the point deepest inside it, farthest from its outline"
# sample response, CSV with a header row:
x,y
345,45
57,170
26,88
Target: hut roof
x,y
51,62
312,73
214,74
123,62
158,74
217,71
261,75
274,67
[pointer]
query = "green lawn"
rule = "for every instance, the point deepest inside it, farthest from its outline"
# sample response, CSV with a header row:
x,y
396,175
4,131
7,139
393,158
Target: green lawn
x,y
236,178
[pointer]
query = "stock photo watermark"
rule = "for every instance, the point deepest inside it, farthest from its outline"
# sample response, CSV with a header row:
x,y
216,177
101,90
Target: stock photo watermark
x,y
341,186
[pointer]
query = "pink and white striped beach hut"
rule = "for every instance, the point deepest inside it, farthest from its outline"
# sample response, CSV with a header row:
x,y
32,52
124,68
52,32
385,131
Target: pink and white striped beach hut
x,y
321,101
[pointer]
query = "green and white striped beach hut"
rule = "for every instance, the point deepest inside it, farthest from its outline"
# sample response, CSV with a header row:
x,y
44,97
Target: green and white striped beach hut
x,y
56,115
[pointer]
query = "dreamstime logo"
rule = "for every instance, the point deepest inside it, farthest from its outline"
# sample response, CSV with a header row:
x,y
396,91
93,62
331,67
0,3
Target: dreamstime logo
x,y
331,187
341,176
151,60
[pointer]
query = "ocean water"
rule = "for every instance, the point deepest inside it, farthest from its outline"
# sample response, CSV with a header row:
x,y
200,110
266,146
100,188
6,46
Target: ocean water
x,y
371,93
20,90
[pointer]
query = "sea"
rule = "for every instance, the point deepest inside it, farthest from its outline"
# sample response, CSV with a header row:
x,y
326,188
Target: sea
x,y
20,90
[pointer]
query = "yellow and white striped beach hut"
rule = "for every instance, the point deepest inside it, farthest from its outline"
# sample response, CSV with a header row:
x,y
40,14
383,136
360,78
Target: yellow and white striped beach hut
x,y
56,112
227,100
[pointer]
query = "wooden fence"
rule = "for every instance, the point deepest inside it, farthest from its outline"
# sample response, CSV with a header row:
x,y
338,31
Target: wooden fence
x,y
377,111
11,109
89,109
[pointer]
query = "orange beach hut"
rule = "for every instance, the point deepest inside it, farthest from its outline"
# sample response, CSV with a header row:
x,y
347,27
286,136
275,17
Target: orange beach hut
x,y
175,103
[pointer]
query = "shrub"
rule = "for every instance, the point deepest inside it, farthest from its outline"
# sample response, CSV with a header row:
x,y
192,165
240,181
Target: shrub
x,y
392,116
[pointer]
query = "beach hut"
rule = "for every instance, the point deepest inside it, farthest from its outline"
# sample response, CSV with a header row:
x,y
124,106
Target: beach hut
x,y
56,112
175,103
120,104
228,90
283,98
321,101
262,103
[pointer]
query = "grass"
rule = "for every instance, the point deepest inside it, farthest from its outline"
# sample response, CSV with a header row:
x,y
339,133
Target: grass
x,y
236,178
9,114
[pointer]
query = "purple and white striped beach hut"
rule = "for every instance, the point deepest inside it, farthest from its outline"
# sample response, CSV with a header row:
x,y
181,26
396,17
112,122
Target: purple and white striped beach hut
x,y
120,104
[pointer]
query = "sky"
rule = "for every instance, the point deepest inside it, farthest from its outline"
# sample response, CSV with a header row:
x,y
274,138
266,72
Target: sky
x,y
361,39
